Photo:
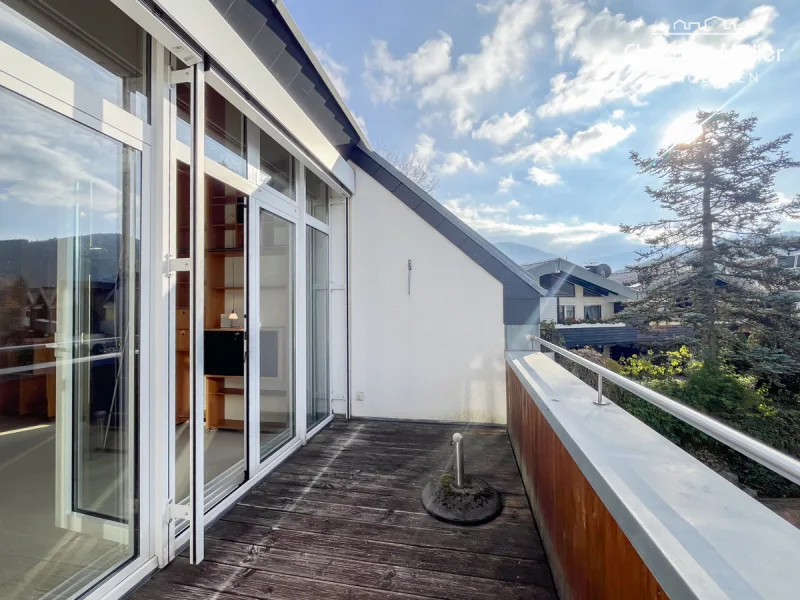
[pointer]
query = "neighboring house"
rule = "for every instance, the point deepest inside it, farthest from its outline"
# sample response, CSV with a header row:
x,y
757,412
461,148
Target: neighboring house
x,y
579,300
578,293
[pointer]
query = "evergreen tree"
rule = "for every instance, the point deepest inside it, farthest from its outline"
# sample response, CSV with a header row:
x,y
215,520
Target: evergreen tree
x,y
712,262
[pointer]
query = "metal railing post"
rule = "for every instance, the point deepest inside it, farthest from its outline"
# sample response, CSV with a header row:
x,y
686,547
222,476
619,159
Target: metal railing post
x,y
600,400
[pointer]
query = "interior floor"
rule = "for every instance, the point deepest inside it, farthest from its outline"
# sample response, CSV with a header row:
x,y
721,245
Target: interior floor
x,y
36,554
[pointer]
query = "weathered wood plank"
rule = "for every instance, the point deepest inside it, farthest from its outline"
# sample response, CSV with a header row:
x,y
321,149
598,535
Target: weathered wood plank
x,y
529,571
161,589
388,502
372,575
404,475
253,583
464,538
517,522
383,486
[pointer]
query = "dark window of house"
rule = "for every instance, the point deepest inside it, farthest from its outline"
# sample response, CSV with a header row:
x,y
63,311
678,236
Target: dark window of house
x,y
557,286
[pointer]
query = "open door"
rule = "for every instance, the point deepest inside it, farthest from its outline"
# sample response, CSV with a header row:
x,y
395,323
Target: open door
x,y
197,315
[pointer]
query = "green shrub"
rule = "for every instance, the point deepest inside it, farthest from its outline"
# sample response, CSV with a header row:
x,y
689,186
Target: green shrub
x,y
723,395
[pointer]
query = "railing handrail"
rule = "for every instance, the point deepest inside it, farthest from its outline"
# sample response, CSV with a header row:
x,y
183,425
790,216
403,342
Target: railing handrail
x,y
774,460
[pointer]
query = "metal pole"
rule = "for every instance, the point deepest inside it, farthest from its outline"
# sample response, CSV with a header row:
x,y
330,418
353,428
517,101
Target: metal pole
x,y
600,400
457,441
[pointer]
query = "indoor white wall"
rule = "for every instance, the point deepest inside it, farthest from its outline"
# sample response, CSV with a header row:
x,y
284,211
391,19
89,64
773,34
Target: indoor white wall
x,y
436,353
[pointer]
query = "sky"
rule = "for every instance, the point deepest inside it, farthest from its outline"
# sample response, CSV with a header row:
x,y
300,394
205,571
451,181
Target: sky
x,y
528,109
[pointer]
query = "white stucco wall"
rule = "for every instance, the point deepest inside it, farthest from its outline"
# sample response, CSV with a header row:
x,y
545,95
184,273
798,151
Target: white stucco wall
x,y
436,353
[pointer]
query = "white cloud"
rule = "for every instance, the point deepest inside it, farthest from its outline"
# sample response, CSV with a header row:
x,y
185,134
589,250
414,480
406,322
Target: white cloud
x,y
335,70
618,114
496,223
425,149
503,57
361,123
567,17
505,183
628,59
459,161
598,138
500,129
543,176
389,78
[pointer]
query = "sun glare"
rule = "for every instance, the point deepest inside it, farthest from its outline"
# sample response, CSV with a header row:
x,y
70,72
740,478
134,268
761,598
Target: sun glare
x,y
682,130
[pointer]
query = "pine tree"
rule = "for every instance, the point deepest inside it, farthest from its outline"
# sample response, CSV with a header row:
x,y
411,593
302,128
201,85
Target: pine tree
x,y
712,263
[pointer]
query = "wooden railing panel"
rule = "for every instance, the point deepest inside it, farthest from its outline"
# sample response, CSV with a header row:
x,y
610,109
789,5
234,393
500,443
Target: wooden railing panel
x,y
589,555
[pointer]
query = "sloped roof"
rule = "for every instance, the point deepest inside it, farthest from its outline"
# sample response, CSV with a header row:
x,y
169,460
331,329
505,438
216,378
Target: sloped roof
x,y
519,288
561,265
625,277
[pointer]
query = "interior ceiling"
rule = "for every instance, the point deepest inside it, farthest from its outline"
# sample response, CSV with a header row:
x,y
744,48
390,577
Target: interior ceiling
x,y
261,27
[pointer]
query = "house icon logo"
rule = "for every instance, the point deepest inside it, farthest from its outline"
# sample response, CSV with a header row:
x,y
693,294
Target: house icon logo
x,y
711,26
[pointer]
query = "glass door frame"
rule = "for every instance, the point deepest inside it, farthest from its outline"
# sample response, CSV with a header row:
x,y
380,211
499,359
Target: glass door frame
x,y
47,88
275,203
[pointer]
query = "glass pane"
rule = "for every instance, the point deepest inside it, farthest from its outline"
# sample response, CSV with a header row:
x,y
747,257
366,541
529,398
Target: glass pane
x,y
276,331
69,269
318,397
224,362
277,165
91,42
224,133
317,195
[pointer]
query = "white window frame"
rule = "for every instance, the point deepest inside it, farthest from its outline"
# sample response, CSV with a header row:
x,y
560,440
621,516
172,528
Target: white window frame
x,y
600,306
48,88
565,307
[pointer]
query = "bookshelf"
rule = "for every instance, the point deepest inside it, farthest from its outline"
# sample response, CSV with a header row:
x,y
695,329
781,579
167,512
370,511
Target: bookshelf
x,y
224,294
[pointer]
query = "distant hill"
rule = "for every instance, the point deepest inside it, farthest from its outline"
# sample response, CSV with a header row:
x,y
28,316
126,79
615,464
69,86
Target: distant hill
x,y
617,261
522,254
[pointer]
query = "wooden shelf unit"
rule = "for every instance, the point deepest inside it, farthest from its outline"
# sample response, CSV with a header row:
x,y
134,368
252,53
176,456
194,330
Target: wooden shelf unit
x,y
224,289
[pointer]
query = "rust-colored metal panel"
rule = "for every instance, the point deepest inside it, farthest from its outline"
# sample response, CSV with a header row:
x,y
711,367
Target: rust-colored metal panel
x,y
589,555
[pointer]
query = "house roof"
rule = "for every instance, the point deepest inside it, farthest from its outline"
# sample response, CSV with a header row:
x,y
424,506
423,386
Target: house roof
x,y
561,265
519,288
625,277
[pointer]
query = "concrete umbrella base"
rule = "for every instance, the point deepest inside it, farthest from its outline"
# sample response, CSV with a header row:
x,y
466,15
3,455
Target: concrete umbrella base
x,y
474,503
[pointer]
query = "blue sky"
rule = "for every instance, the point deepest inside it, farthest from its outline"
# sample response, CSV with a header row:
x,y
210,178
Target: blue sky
x,y
528,108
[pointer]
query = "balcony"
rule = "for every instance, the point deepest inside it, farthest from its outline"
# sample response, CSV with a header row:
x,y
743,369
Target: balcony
x,y
620,512
342,518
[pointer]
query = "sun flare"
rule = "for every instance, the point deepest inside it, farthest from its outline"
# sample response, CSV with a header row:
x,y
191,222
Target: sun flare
x,y
682,130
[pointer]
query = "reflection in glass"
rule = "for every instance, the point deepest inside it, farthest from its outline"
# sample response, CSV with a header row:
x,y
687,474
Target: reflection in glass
x,y
277,166
91,42
69,261
276,331
225,140
317,196
225,133
318,403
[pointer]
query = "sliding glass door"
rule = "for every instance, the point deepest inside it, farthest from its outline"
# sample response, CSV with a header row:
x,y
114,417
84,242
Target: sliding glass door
x,y
73,144
276,333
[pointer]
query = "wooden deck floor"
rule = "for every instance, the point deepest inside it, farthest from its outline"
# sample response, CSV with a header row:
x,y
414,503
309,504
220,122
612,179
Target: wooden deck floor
x,y
342,519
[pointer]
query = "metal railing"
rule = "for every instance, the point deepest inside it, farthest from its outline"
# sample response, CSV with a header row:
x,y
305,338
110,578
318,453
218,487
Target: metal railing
x,y
772,459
